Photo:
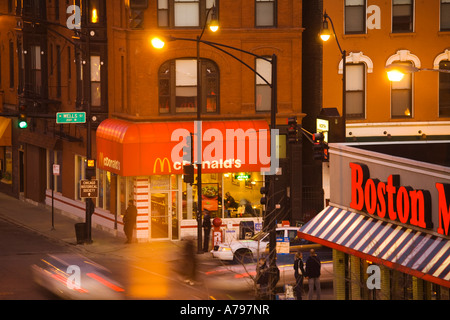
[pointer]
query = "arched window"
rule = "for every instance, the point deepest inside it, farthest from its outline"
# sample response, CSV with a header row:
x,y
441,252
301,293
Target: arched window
x,y
178,86
402,91
442,62
357,67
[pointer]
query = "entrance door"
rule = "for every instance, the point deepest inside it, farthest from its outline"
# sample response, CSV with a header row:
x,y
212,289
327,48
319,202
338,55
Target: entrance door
x,y
160,209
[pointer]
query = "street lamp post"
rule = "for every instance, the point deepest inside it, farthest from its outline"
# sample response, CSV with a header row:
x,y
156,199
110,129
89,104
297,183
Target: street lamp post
x,y
325,34
396,72
270,206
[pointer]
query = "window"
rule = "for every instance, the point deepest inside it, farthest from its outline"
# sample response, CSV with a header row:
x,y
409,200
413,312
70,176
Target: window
x,y
402,15
36,73
95,11
163,13
401,96
95,82
178,86
444,89
355,16
184,13
263,90
58,71
11,64
265,13
445,15
355,91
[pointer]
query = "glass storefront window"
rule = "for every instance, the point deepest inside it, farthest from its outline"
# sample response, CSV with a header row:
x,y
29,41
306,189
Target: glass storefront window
x,y
107,205
228,195
6,168
122,194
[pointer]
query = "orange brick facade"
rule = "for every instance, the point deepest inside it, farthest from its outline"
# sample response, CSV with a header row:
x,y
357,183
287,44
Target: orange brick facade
x,y
377,45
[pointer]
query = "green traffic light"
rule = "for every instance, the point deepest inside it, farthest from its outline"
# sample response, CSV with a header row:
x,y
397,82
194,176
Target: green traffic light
x,y
23,124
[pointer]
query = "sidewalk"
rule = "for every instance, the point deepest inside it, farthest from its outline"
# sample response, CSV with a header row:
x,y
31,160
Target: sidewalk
x,y
39,219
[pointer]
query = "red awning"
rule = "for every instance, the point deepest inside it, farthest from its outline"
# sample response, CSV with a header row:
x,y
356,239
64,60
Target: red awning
x,y
140,149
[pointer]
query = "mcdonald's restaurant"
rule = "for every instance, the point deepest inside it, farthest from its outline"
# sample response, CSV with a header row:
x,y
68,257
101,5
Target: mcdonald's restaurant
x,y
388,221
145,161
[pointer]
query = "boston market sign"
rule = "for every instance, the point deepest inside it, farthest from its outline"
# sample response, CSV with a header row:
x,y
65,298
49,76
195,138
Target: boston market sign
x,y
393,201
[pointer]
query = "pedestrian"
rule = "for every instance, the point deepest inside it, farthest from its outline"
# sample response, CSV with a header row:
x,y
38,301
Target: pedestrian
x,y
129,221
206,230
189,267
262,279
299,272
312,273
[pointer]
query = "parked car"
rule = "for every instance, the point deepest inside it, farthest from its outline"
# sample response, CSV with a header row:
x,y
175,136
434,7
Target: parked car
x,y
73,276
249,250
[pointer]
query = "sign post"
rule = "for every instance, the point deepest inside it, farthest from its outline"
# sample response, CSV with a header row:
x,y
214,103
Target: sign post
x,y
56,168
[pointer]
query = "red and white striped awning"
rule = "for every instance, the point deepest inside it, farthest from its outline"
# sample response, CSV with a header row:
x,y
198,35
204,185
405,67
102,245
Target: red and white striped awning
x,y
411,251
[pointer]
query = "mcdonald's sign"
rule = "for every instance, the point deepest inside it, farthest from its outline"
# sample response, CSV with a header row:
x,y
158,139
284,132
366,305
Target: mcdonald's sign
x,y
161,165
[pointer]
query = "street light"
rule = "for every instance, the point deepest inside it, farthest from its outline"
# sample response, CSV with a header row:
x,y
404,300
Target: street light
x,y
159,43
270,207
325,34
396,72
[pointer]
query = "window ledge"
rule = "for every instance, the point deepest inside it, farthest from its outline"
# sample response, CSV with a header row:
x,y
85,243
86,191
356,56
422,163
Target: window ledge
x,y
402,34
355,35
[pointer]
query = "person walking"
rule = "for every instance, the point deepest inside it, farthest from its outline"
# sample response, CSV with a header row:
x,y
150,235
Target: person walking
x,y
299,272
312,273
262,279
129,221
206,230
189,267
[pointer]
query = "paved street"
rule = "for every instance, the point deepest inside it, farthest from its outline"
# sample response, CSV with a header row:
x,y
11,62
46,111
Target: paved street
x,y
147,270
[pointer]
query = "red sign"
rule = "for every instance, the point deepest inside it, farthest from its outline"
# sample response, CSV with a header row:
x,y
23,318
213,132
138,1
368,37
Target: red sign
x,y
140,149
444,208
389,199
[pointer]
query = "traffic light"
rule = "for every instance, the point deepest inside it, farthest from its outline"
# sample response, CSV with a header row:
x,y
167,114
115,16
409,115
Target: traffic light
x,y
90,168
326,156
22,120
187,149
318,147
265,192
292,130
188,173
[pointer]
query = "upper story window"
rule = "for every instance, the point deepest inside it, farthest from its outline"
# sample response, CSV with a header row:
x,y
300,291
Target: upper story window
x,y
444,89
265,13
356,90
402,15
263,90
445,15
178,86
96,88
355,16
35,70
184,13
401,95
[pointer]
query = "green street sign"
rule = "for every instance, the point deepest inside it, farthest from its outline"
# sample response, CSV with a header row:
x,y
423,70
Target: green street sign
x,y
71,117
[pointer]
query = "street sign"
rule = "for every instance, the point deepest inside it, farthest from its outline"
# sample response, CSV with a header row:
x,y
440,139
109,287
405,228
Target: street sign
x,y
71,117
56,169
89,188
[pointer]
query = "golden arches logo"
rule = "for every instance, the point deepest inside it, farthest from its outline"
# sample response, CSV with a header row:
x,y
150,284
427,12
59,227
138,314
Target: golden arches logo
x,y
161,164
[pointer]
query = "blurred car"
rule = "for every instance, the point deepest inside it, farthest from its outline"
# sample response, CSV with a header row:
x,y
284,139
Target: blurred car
x,y
73,276
241,277
250,249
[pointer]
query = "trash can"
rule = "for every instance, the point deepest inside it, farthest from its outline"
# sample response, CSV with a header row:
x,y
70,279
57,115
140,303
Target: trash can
x,y
246,229
80,231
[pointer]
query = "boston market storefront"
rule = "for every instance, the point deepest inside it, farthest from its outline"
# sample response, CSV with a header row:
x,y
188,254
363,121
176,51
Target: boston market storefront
x,y
147,162
388,221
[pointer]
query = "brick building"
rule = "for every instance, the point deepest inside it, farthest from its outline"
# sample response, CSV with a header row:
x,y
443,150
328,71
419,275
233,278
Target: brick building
x,y
95,57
